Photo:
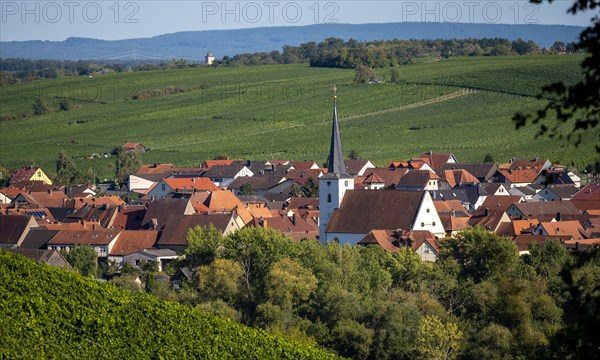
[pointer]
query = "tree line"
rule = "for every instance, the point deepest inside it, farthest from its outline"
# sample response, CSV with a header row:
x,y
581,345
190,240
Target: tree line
x,y
337,53
480,300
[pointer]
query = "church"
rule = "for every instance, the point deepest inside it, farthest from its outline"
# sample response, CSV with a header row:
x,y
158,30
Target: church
x,y
347,215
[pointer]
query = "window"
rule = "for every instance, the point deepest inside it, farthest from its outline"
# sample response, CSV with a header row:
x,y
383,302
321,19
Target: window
x,y
426,250
433,223
329,183
346,183
328,198
422,224
163,187
428,211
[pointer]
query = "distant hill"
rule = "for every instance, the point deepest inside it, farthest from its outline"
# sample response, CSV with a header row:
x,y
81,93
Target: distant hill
x,y
194,45
51,313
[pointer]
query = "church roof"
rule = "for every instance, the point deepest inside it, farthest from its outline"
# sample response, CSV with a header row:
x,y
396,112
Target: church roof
x,y
335,164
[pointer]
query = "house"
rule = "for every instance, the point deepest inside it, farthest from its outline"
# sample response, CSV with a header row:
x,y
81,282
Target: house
x,y
558,177
495,189
453,215
48,257
483,172
293,226
102,240
500,203
424,243
177,227
129,217
130,242
541,210
14,229
526,192
161,256
436,160
495,221
223,176
38,238
470,196
373,182
538,165
555,193
101,216
456,177
418,180
28,174
588,198
42,199
390,176
158,212
260,183
134,147
571,229
412,164
515,177
180,184
357,167
363,211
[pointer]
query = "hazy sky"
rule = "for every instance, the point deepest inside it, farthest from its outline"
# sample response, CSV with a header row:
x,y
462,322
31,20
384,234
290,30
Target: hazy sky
x,y
58,20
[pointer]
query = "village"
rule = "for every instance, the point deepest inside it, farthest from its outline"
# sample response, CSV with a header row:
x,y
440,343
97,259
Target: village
x,y
414,203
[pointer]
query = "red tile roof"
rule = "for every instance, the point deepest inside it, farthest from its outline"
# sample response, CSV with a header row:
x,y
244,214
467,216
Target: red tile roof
x,y
201,184
23,174
519,175
84,237
132,241
458,176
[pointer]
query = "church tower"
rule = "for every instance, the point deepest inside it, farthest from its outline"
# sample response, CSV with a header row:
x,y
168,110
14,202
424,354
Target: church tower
x,y
334,184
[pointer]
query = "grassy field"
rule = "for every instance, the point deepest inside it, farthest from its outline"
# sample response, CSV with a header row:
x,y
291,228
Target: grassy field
x,y
460,105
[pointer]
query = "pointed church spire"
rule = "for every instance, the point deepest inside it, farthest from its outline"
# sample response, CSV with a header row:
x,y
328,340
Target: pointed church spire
x,y
336,156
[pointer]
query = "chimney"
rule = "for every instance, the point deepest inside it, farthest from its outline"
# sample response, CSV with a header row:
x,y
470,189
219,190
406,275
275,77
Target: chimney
x,y
50,191
294,218
558,216
487,212
154,225
265,223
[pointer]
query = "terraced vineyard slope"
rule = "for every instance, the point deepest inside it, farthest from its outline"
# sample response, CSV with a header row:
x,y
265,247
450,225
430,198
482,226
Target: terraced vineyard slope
x,y
462,105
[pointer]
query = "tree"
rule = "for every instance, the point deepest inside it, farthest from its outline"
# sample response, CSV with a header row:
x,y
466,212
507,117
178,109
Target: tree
x,y
84,259
65,105
247,189
294,191
40,106
204,245
352,339
353,155
576,105
311,188
127,164
289,283
362,74
480,254
66,171
222,279
394,76
488,158
4,176
436,340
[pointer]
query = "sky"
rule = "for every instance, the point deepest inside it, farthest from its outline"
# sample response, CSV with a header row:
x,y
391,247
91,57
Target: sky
x,y
111,20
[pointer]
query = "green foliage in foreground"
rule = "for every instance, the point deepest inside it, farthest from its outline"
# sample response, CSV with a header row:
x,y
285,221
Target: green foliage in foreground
x,y
49,313
481,300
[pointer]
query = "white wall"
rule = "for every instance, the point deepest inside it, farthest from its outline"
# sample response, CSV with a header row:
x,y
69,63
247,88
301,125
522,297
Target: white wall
x,y
336,189
427,217
138,184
